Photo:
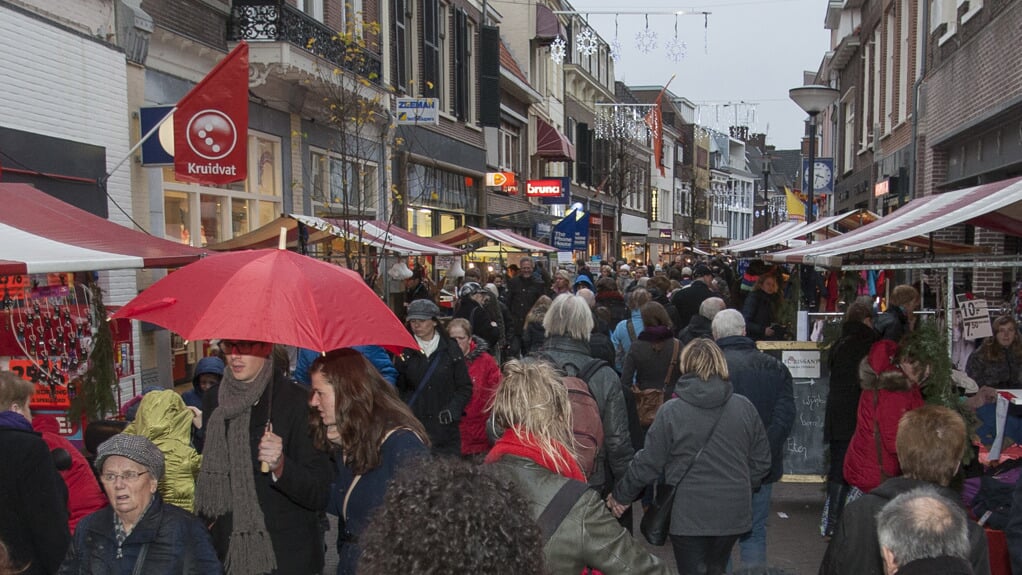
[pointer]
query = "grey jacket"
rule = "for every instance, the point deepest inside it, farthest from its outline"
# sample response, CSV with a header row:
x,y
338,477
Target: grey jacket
x,y
570,355
715,498
589,536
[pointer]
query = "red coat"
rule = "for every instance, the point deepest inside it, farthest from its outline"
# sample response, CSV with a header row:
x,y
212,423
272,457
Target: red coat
x,y
485,375
894,395
83,492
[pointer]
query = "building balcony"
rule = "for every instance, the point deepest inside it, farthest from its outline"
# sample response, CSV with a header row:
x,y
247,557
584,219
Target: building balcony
x,y
275,21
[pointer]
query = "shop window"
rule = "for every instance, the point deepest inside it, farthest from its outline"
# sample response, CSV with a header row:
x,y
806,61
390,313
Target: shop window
x,y
176,213
420,222
449,222
212,218
239,217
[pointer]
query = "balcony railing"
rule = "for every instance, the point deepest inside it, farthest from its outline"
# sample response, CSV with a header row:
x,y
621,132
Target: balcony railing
x,y
276,21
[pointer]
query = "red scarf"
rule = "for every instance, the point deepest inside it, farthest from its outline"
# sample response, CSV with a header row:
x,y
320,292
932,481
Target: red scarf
x,y
526,446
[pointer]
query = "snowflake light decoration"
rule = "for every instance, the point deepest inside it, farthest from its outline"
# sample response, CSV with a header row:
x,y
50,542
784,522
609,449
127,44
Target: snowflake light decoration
x,y
645,40
558,50
586,42
615,50
675,49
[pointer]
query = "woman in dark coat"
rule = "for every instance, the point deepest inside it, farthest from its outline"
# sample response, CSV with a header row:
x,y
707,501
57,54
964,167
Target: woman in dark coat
x,y
760,309
652,360
433,380
857,336
472,307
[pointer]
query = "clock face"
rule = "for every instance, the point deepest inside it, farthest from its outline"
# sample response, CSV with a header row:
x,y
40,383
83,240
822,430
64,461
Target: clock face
x,y
822,176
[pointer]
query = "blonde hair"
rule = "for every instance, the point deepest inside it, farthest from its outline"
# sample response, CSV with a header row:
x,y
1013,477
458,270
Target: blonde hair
x,y
703,358
903,294
532,400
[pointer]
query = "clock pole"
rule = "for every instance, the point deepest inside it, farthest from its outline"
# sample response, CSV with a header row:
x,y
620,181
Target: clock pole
x,y
811,184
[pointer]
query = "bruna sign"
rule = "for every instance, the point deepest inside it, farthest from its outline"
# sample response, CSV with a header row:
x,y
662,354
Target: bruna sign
x,y
543,188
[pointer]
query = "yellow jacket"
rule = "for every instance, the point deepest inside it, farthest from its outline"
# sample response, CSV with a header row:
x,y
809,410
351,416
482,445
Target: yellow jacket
x,y
163,419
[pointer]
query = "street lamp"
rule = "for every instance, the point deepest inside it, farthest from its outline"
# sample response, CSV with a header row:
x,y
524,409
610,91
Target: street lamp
x,y
813,100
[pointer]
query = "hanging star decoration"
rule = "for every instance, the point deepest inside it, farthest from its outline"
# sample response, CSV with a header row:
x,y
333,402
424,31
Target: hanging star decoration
x,y
615,50
586,43
645,40
675,48
558,50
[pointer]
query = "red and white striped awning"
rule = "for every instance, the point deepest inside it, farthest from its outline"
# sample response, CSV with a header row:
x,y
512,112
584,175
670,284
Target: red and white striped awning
x,y
375,233
41,234
509,240
791,233
996,206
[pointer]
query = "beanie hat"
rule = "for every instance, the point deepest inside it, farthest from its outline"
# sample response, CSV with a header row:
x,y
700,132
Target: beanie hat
x,y
134,447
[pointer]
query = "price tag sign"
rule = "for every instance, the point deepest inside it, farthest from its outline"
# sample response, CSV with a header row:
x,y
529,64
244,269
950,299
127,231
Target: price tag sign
x,y
975,319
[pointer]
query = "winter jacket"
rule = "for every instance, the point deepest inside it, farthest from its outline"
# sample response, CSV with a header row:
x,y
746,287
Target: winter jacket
x,y
570,356
292,504
615,305
1013,531
715,498
449,389
533,337
646,366
687,300
522,293
937,566
33,520
214,365
485,375
482,324
892,324
759,315
893,395
589,536
697,327
766,382
854,548
672,312
83,492
843,400
163,419
1002,373
374,353
178,544
368,493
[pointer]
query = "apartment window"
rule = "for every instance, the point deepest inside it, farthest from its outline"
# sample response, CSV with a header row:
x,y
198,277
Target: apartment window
x,y
431,83
875,120
200,215
903,59
867,96
402,45
889,45
471,71
444,91
462,69
312,8
343,186
848,156
351,17
509,148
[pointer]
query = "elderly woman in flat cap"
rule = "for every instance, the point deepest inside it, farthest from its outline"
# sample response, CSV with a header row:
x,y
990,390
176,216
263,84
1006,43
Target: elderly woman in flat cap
x,y
138,532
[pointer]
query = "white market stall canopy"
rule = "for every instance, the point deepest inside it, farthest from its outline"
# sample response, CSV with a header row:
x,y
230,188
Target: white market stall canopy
x,y
375,233
511,241
996,206
42,234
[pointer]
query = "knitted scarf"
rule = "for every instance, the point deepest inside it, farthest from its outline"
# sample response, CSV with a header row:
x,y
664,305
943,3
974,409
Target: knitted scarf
x,y
528,447
226,481
656,333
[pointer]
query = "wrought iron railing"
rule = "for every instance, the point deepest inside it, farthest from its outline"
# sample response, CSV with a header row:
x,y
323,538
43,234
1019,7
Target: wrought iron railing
x,y
276,21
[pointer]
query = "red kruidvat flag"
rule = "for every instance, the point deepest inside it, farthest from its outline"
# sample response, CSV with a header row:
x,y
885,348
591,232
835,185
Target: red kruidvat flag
x,y
211,124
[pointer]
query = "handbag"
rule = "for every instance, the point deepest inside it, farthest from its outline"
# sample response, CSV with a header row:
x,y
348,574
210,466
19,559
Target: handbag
x,y
656,520
649,401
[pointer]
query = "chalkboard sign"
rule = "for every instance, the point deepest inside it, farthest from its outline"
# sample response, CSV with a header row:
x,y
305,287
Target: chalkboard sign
x,y
805,452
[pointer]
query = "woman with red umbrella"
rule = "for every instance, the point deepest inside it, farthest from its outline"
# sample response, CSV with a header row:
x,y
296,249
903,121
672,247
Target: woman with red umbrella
x,y
262,522
433,379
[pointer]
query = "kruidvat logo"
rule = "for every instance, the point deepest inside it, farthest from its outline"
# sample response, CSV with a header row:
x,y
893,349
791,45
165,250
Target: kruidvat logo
x,y
211,134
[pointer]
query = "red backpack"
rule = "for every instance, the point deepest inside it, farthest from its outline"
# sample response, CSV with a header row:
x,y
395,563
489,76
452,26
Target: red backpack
x,y
586,424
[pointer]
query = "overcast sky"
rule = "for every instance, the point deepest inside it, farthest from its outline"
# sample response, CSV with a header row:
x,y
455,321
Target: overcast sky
x,y
756,52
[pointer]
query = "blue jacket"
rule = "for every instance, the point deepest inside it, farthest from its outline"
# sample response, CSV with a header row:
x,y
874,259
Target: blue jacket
x,y
766,382
621,340
374,353
178,543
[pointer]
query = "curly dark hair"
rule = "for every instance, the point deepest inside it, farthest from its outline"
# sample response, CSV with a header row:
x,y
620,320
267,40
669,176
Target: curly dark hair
x,y
444,515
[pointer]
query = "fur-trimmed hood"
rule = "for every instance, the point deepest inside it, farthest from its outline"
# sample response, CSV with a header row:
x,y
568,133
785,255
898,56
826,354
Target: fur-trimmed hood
x,y
869,380
479,347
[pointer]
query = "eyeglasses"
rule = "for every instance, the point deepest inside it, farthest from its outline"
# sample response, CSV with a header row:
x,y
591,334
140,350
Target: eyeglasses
x,y
127,476
245,347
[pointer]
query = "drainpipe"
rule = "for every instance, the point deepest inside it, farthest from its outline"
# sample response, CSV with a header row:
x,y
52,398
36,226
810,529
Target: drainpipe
x,y
912,175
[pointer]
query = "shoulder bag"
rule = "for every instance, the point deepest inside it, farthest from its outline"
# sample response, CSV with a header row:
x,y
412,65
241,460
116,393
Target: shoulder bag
x,y
656,521
649,401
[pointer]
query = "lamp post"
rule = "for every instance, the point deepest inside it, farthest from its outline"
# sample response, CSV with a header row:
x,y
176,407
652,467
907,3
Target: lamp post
x,y
813,100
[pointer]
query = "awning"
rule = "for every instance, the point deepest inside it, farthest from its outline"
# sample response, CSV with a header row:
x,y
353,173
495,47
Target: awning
x,y
41,234
522,219
787,232
551,144
996,206
373,232
548,26
468,235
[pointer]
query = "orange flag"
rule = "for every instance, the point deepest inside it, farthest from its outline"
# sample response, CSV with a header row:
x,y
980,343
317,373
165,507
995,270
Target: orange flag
x,y
655,122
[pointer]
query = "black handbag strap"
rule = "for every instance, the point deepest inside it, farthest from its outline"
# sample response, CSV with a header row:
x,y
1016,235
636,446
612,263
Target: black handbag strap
x,y
705,443
425,378
139,563
559,507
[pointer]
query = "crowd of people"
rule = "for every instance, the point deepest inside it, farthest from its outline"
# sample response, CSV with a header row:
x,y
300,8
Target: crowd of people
x,y
518,436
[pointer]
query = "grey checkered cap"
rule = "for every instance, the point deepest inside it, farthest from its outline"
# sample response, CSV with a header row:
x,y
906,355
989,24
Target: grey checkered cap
x,y
134,447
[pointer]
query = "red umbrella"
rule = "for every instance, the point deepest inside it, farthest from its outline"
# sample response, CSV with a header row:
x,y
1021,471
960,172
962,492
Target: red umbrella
x,y
270,295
